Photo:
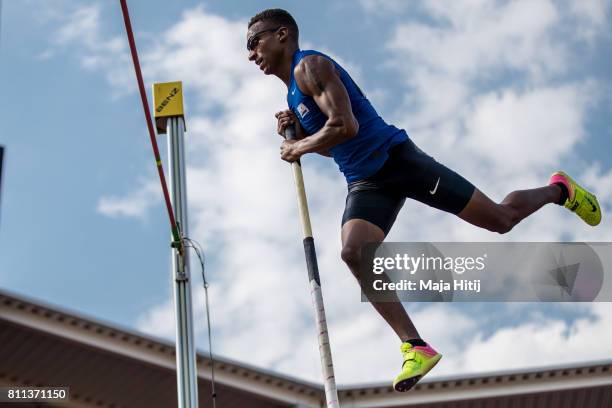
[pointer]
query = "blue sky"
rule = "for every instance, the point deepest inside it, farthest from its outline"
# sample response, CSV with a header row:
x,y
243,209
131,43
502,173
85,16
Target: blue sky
x,y
503,92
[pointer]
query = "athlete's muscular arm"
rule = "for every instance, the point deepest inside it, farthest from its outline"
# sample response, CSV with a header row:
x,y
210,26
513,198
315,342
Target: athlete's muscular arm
x,y
317,77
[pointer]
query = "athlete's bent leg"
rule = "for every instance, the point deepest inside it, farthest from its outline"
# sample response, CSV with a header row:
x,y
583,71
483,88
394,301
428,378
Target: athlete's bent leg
x,y
482,212
355,234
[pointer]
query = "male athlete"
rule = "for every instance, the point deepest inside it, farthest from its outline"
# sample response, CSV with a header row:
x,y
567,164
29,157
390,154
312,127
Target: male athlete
x,y
382,166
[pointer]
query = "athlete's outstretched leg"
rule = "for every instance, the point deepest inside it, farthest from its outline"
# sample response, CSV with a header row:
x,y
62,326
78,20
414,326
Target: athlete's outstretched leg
x,y
483,212
355,234
442,188
518,205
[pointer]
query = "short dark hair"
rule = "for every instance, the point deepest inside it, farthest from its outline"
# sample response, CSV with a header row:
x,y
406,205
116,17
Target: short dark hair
x,y
278,16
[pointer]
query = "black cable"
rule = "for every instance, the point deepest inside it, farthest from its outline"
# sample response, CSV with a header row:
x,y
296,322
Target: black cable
x,y
200,253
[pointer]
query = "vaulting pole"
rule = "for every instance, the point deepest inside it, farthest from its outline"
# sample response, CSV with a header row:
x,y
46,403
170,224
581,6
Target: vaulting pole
x,y
169,118
331,393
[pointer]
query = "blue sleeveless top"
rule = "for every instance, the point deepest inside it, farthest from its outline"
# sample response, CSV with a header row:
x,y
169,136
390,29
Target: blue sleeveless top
x,y
365,153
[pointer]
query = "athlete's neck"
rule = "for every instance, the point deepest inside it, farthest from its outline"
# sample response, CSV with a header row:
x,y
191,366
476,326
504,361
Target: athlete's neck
x,y
284,72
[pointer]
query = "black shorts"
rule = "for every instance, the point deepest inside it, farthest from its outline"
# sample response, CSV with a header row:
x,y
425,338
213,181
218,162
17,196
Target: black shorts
x,y
408,173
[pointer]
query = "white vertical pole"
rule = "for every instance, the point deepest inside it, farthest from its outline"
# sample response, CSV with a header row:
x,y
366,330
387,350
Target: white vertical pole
x,y
187,384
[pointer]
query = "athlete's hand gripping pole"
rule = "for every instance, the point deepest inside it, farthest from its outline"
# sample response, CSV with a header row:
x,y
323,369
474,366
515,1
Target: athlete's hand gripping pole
x,y
331,393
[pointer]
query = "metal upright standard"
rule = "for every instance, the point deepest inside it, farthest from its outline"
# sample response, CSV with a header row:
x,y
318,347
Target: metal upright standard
x,y
331,393
169,117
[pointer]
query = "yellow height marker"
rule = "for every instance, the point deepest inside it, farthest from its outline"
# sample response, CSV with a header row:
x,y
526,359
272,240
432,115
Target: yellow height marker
x,y
168,102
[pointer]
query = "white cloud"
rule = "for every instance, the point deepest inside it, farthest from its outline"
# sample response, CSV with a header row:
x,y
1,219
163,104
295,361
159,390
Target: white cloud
x,y
538,341
134,204
543,341
45,55
82,25
601,182
81,32
530,130
481,38
591,16
159,321
382,6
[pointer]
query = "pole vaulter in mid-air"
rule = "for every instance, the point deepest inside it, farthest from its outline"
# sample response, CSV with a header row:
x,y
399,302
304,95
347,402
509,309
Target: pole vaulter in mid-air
x,y
382,166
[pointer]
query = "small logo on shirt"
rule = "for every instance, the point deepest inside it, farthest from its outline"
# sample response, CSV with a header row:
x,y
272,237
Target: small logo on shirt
x,y
303,110
293,91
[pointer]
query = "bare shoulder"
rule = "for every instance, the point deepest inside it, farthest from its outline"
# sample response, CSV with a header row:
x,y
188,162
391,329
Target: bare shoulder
x,y
313,73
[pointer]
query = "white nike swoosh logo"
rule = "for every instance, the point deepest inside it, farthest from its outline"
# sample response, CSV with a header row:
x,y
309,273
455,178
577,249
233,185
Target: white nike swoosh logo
x,y
293,92
432,192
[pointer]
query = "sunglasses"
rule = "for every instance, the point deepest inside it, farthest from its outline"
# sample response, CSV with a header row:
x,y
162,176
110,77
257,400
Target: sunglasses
x,y
254,39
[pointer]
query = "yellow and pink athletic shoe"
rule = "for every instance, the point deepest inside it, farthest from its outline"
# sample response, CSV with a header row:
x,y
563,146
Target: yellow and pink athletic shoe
x,y
418,361
580,201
